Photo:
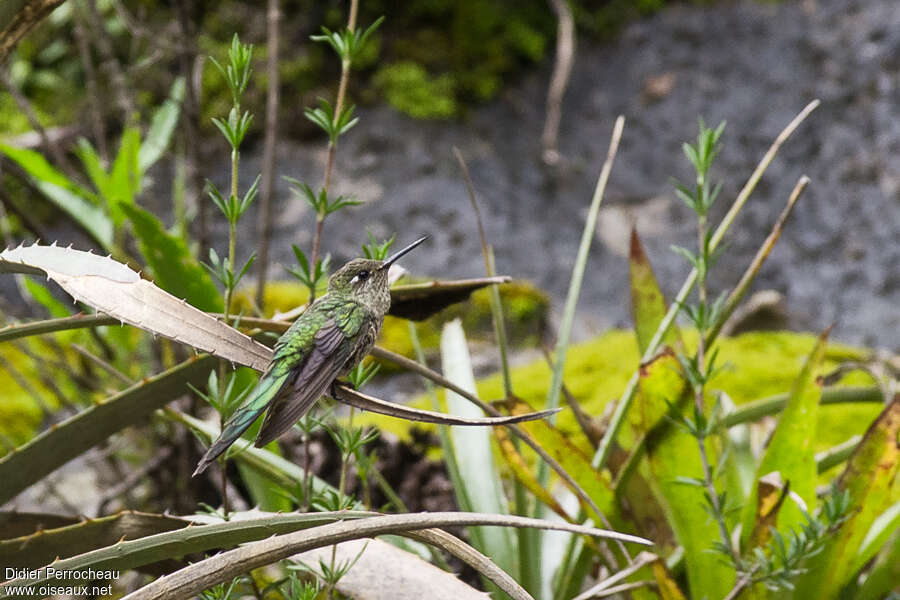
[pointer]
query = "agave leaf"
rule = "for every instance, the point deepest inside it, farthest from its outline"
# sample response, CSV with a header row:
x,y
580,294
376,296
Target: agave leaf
x,y
59,444
868,478
418,301
885,525
44,545
225,566
673,453
174,267
400,575
124,554
648,305
771,492
18,524
347,395
482,489
666,586
790,451
113,288
523,474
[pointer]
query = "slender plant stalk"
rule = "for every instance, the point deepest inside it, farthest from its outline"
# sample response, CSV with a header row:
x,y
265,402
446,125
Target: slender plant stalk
x,y
332,145
601,456
187,58
740,290
264,224
559,80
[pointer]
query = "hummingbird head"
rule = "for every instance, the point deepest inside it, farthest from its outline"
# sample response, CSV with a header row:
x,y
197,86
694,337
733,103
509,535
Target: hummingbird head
x,y
367,279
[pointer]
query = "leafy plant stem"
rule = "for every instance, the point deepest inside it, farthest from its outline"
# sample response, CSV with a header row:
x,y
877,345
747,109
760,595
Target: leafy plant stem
x,y
601,456
332,144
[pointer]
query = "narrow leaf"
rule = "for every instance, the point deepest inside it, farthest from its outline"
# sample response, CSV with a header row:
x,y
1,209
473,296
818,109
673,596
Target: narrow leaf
x,y
162,126
673,452
790,451
648,305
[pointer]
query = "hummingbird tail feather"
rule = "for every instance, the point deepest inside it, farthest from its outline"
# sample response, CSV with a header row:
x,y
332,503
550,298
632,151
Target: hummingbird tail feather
x,y
267,389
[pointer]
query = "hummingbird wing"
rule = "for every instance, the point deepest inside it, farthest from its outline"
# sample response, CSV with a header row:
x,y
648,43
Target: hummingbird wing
x,y
333,345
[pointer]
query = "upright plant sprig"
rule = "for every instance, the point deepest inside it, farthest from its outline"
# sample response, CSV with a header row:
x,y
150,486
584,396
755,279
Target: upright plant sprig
x,y
335,121
237,73
700,368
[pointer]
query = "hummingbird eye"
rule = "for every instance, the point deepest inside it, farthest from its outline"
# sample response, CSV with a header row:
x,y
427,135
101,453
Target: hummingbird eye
x,y
361,276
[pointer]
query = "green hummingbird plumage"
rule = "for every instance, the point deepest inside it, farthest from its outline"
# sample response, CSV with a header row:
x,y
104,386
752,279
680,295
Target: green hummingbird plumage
x,y
328,340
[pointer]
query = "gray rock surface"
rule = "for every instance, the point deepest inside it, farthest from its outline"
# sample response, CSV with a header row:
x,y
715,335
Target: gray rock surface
x,y
753,64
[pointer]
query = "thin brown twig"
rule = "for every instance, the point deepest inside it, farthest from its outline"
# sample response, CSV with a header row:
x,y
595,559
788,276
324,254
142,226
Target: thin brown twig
x,y
559,80
110,64
190,116
264,223
28,14
106,366
93,92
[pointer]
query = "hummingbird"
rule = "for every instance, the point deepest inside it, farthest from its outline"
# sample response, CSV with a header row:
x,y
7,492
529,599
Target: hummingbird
x,y
327,341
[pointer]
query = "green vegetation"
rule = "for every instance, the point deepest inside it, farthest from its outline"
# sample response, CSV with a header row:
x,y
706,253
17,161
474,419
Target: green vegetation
x,y
672,435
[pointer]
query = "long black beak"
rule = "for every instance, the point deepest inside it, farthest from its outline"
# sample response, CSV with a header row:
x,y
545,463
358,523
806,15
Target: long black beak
x,y
388,262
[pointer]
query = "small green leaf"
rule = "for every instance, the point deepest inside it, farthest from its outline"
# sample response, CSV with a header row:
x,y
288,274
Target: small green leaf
x,y
162,126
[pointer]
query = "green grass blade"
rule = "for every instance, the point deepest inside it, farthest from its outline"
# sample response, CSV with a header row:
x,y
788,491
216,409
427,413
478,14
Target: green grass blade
x,y
884,574
587,237
67,440
790,451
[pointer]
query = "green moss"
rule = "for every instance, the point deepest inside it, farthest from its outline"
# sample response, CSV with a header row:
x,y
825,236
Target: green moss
x,y
409,88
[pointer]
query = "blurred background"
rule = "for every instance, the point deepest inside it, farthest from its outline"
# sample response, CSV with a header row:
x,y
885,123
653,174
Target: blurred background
x,y
475,74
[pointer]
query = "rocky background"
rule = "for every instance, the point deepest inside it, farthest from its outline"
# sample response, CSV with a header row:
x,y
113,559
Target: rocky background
x,y
753,64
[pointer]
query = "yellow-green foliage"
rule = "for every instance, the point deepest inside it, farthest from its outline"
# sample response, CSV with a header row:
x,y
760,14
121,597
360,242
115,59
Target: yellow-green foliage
x,y
758,365
20,413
